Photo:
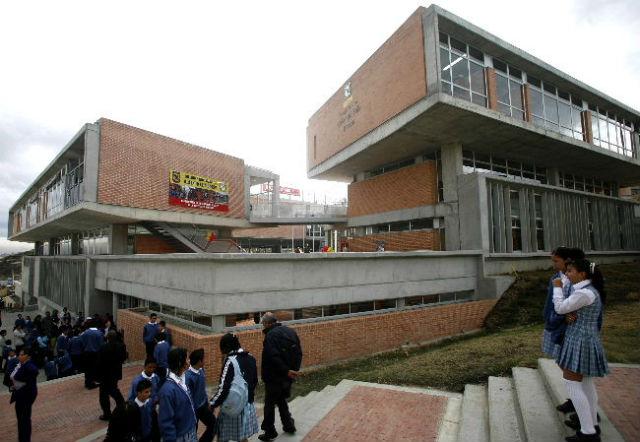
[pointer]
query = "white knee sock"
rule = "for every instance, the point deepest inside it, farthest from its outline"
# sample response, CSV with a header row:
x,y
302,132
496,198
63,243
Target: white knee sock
x,y
581,404
589,388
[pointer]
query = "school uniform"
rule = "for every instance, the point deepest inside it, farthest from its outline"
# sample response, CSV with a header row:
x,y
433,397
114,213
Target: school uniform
x,y
197,383
92,340
161,355
554,324
76,347
65,365
149,332
177,416
582,351
24,395
133,420
62,343
155,386
11,365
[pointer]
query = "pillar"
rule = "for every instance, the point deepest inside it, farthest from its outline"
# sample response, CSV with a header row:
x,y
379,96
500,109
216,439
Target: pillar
x,y
118,239
275,197
492,94
218,323
451,167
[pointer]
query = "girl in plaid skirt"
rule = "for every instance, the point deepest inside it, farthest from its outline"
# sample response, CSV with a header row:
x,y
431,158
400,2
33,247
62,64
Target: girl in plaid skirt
x,y
582,356
241,427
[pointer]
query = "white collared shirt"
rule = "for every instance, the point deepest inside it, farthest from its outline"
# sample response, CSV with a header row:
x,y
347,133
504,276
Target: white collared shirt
x,y
180,381
144,375
193,370
579,297
141,404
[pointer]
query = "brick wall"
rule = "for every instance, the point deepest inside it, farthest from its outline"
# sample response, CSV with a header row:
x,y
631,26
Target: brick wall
x,y
329,341
404,188
147,244
397,241
391,80
135,165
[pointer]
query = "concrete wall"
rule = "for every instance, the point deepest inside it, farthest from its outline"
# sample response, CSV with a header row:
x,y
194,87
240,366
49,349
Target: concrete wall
x,y
135,165
391,80
508,263
228,283
329,341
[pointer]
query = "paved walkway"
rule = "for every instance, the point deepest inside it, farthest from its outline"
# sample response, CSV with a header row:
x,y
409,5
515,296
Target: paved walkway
x,y
618,396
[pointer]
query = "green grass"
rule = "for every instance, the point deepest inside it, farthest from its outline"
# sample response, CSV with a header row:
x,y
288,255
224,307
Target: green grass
x,y
512,338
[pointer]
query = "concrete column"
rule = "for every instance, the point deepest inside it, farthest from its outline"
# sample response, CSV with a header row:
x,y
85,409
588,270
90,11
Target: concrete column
x,y
275,197
91,162
526,99
118,239
218,323
34,293
431,51
587,129
90,291
553,176
451,165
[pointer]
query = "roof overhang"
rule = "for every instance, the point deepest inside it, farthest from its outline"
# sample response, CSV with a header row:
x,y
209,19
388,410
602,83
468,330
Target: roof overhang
x,y
441,119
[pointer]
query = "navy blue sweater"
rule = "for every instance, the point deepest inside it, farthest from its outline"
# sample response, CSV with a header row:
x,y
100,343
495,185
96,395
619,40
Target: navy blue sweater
x,y
76,347
154,387
149,332
62,343
177,416
92,340
161,354
197,386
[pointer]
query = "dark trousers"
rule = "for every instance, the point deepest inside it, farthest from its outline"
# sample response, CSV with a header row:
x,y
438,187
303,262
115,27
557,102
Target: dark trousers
x,y
109,388
76,360
205,415
23,413
150,347
276,394
90,362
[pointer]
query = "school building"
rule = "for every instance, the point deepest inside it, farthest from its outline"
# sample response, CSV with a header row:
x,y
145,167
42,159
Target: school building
x,y
466,159
453,139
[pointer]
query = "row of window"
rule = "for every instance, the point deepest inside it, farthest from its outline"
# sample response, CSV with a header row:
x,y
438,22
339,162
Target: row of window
x,y
389,167
399,226
489,163
586,184
463,76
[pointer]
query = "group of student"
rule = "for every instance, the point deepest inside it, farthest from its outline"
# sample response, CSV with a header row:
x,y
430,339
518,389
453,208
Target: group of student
x,y
169,397
573,315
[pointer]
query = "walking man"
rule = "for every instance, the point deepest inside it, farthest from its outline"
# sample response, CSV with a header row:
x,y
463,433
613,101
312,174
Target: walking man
x,y
92,340
149,333
112,356
281,360
23,392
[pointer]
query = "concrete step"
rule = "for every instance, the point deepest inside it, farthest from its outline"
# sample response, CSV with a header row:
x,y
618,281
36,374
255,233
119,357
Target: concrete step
x,y
505,422
474,420
539,416
552,377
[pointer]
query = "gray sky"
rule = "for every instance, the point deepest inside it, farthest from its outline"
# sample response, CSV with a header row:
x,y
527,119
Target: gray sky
x,y
244,77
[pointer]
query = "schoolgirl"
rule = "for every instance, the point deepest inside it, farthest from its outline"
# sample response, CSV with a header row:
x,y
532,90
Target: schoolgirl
x,y
582,355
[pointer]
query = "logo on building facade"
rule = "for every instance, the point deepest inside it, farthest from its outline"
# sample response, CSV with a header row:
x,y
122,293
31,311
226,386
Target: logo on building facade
x,y
198,192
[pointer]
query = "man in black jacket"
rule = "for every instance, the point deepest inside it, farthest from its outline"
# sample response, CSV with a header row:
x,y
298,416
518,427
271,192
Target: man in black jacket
x,y
281,360
23,392
111,357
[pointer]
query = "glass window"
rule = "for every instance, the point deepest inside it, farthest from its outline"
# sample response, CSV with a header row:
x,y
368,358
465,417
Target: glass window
x,y
419,224
515,72
477,54
359,307
444,39
413,300
534,81
384,303
564,114
458,45
535,98
500,65
550,109
477,78
339,309
516,95
446,65
576,119
516,232
502,87
460,69
399,226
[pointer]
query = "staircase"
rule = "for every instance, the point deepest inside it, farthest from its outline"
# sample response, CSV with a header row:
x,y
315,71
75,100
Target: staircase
x,y
517,409
190,242
521,408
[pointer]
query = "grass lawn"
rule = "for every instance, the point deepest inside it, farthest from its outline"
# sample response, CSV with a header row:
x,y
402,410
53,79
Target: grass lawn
x,y
471,359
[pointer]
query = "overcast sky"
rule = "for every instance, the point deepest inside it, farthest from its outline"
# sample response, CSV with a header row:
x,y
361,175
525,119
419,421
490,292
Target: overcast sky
x,y
244,77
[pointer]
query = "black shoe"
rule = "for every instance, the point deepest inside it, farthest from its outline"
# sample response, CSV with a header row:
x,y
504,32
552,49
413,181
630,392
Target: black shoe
x,y
574,417
576,425
579,437
268,436
567,407
104,417
291,428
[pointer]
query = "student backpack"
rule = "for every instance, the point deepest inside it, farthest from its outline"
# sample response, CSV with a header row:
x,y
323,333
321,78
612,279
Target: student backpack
x,y
238,392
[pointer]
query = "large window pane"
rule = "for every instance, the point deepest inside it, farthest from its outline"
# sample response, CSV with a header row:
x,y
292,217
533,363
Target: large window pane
x,y
502,87
479,99
576,119
603,129
564,114
535,97
445,62
516,94
477,78
460,69
446,87
551,109
505,109
461,93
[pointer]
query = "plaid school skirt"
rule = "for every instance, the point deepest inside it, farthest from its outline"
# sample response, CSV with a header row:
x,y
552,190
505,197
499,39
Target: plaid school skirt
x,y
238,427
548,346
584,355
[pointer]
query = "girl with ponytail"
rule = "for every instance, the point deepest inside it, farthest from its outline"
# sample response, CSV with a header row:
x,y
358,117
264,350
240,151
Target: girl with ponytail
x,y
582,355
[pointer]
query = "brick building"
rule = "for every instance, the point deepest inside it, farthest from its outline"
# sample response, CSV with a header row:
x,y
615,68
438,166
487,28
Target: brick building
x,y
453,139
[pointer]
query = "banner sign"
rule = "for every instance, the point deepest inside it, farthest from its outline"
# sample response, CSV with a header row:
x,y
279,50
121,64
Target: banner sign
x,y
198,192
268,187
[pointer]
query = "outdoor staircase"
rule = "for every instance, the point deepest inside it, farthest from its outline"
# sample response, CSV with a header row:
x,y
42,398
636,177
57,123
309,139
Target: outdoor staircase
x,y
517,409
